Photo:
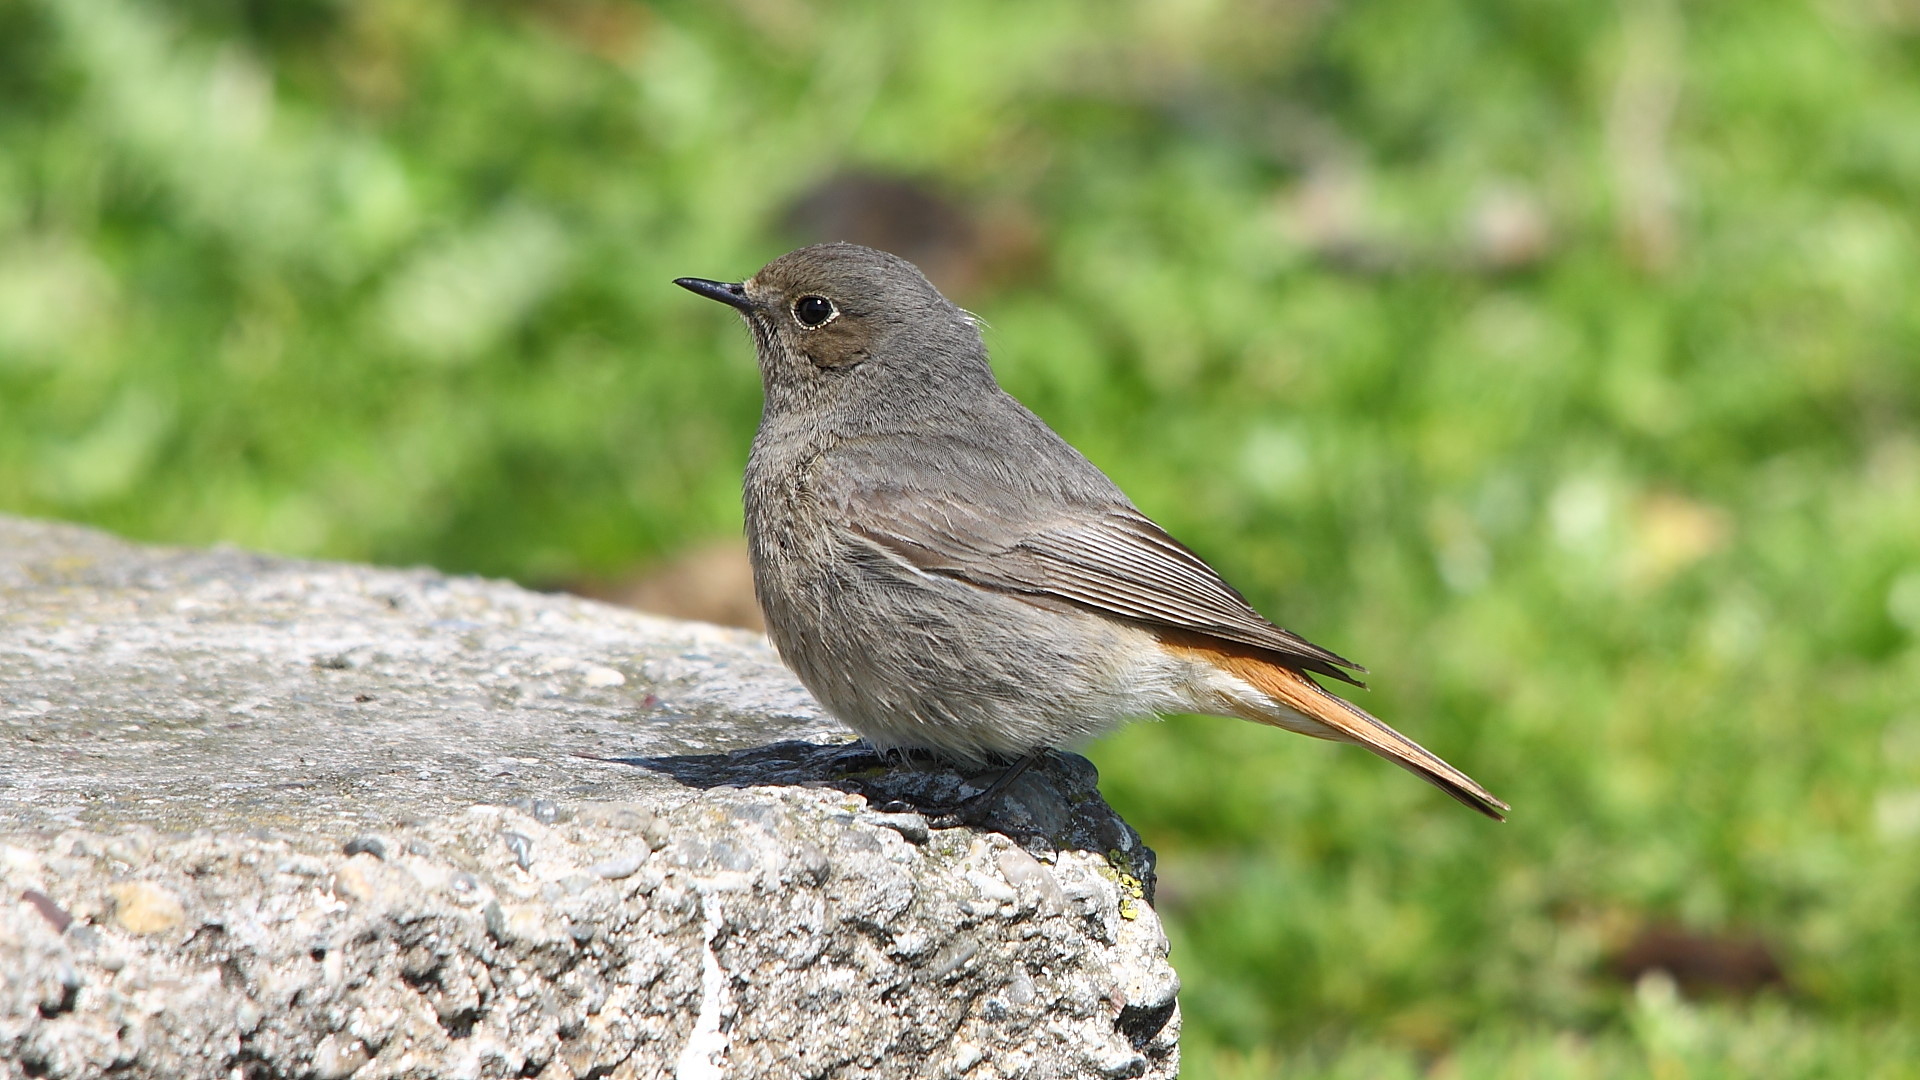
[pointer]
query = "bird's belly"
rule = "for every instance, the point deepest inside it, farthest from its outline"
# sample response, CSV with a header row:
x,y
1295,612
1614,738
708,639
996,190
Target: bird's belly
x,y
925,662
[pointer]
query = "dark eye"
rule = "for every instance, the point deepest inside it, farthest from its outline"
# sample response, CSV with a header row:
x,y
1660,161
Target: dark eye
x,y
814,312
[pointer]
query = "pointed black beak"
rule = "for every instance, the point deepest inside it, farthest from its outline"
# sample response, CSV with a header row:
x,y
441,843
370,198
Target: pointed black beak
x,y
731,293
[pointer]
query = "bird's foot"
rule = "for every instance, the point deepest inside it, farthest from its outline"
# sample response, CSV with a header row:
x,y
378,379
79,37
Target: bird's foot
x,y
861,757
974,810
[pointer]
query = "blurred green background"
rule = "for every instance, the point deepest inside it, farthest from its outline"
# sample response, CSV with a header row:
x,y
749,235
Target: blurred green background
x,y
1558,360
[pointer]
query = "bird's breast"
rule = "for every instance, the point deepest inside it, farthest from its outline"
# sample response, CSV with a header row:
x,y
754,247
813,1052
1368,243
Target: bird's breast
x,y
792,540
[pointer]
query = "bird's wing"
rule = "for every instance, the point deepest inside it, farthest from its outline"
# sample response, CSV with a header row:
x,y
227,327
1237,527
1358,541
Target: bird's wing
x,y
1110,559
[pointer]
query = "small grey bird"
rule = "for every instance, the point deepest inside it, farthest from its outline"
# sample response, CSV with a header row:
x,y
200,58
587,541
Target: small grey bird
x,y
946,573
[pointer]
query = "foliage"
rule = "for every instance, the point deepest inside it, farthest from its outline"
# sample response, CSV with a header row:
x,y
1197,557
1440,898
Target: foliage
x,y
1561,361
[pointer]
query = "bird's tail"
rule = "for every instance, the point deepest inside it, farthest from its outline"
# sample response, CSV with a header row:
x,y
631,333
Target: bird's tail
x,y
1306,707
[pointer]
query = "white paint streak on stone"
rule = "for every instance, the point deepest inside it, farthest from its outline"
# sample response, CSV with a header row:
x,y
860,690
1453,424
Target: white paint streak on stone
x,y
704,1056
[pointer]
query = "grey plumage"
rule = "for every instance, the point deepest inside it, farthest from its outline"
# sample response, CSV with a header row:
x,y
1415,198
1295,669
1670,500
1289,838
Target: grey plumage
x,y
944,571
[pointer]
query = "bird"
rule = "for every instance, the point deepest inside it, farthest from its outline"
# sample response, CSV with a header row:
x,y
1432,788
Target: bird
x,y
947,574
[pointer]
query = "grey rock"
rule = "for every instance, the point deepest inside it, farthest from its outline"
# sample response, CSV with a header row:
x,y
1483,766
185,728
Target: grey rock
x,y
273,818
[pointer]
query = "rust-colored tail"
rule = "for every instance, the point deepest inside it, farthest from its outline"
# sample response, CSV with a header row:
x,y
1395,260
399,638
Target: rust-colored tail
x,y
1326,716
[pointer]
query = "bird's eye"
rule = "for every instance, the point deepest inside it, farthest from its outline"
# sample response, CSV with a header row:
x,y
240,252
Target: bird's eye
x,y
814,312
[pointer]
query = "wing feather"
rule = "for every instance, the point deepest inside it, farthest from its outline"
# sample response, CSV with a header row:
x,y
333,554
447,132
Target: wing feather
x,y
1113,559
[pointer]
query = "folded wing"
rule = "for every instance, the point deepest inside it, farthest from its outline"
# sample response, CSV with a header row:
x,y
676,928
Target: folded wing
x,y
1113,560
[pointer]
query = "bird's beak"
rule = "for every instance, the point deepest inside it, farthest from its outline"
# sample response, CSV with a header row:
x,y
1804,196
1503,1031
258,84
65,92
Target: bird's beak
x,y
731,293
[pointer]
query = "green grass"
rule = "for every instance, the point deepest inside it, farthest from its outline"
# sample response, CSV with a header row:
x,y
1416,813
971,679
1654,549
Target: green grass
x,y
1624,515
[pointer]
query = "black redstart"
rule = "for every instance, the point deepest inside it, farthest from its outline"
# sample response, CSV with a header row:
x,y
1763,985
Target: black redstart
x,y
946,573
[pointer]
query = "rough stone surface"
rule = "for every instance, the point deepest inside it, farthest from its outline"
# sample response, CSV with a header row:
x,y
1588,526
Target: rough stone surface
x,y
268,818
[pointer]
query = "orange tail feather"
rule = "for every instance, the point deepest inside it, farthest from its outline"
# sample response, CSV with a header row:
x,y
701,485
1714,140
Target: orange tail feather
x,y
1335,718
